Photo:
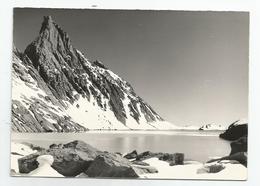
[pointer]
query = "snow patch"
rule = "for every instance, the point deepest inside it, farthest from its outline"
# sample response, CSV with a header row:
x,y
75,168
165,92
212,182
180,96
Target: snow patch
x,y
190,171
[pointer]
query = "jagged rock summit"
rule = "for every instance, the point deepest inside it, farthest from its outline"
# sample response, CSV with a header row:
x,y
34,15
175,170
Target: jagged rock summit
x,y
57,89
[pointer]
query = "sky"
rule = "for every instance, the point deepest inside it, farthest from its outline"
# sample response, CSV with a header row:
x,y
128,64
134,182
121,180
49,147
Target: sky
x,y
190,66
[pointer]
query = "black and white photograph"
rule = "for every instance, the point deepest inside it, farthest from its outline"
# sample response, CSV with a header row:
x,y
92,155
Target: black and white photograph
x,y
129,94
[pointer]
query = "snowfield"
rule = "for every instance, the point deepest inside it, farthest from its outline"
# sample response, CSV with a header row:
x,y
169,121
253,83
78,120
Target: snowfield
x,y
193,171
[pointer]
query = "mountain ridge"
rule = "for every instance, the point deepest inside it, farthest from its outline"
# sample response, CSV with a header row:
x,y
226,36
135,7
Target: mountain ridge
x,y
85,94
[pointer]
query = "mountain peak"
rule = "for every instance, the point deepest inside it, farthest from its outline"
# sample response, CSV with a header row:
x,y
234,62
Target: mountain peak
x,y
91,94
47,23
52,33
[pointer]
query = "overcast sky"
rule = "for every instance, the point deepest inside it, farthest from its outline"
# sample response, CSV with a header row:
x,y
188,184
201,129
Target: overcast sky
x,y
191,67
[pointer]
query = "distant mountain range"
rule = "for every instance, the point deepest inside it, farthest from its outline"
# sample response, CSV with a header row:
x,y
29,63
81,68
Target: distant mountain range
x,y
204,127
55,88
212,127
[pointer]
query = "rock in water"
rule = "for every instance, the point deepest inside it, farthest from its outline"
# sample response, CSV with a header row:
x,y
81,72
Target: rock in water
x,y
111,165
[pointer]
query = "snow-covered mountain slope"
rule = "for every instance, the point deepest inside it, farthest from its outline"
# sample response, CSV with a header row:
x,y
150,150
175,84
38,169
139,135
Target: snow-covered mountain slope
x,y
34,108
212,127
56,88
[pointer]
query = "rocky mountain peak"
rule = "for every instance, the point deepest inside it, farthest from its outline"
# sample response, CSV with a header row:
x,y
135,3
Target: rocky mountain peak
x,y
47,23
88,93
51,33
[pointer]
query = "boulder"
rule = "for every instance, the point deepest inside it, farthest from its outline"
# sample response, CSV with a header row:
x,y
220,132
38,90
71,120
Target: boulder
x,y
234,131
111,165
131,155
70,159
146,155
216,168
44,168
29,163
178,158
167,157
213,168
173,159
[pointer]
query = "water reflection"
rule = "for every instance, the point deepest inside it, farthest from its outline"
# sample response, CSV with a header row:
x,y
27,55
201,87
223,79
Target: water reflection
x,y
194,145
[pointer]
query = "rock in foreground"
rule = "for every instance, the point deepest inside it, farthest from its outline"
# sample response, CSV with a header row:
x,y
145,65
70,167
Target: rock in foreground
x,y
111,165
69,160
78,158
131,155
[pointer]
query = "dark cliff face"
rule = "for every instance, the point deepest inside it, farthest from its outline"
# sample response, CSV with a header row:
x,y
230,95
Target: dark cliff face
x,y
65,74
234,131
55,59
237,132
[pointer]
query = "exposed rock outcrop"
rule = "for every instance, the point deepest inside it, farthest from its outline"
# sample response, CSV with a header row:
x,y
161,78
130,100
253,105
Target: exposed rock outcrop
x,y
235,131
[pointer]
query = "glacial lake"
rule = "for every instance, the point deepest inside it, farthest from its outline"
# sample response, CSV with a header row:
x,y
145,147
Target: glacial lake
x,y
196,145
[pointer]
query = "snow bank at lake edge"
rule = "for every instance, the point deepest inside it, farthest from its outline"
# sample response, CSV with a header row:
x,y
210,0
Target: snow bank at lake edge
x,y
191,171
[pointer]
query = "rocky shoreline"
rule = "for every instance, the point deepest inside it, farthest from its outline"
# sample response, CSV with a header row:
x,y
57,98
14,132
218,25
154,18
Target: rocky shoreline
x,y
79,159
237,133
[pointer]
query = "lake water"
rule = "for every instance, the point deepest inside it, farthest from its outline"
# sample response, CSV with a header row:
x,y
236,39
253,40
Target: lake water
x,y
196,145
